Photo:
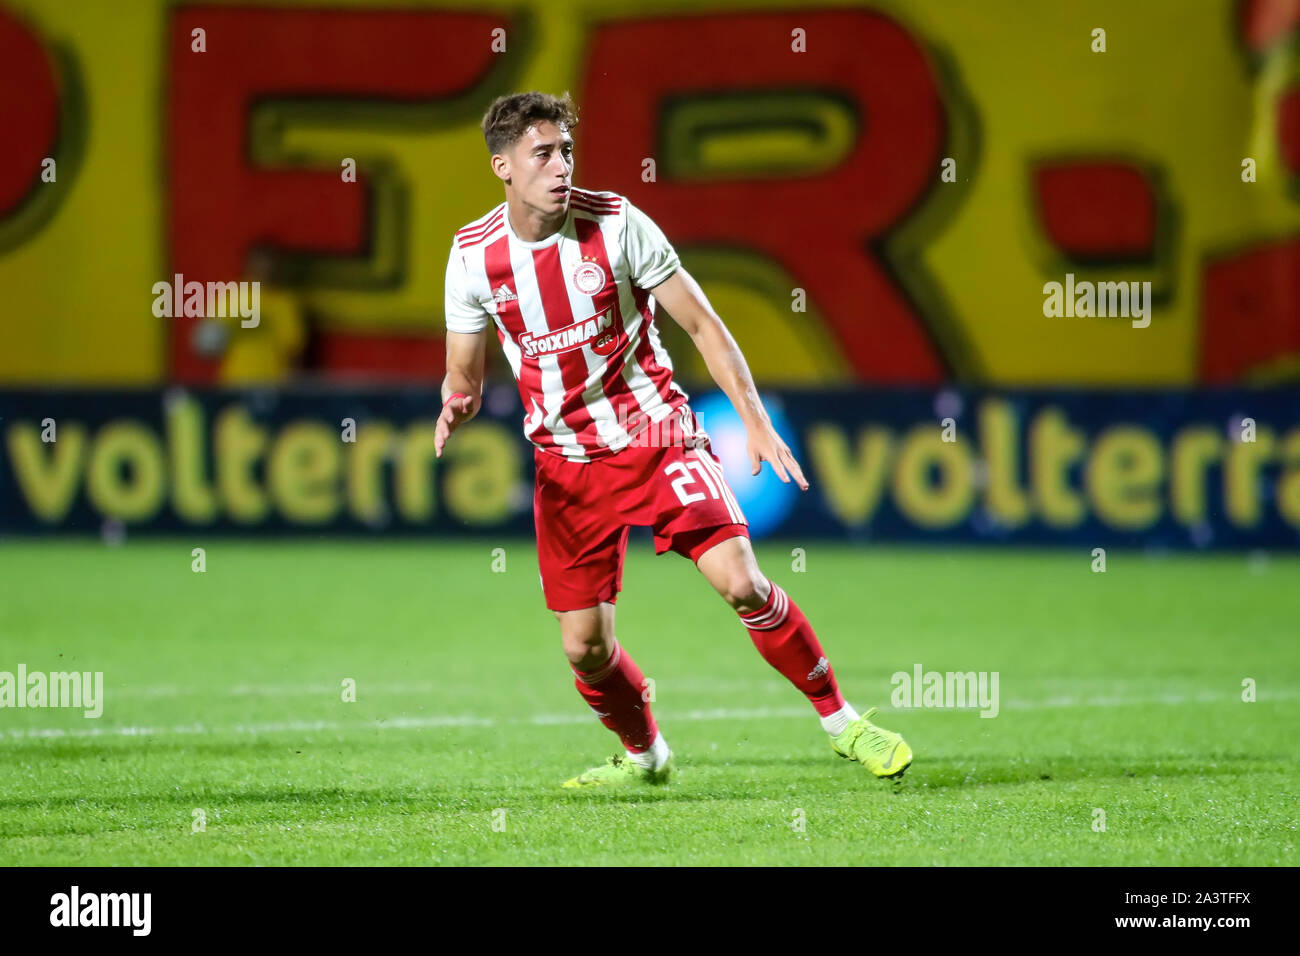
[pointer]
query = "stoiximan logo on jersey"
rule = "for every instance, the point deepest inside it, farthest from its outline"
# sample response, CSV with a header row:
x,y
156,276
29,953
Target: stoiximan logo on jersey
x,y
598,330
77,689
946,689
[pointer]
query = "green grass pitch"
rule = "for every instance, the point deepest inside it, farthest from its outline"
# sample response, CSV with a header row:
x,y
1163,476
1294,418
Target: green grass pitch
x,y
1119,692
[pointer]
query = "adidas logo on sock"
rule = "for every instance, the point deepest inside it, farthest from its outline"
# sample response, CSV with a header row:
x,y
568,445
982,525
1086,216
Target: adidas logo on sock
x,y
821,670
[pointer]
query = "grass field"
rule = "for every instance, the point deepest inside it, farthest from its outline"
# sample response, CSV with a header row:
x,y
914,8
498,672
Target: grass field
x,y
1119,691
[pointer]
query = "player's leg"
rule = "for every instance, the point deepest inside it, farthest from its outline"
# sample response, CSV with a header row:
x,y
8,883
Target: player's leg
x,y
587,636
779,630
580,548
786,640
698,516
614,687
610,681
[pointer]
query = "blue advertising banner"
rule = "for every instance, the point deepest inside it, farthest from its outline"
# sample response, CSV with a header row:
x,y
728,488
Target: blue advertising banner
x,y
1202,468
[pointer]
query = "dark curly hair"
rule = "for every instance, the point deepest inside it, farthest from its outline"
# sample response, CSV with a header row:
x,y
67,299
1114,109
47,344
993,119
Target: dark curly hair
x,y
509,117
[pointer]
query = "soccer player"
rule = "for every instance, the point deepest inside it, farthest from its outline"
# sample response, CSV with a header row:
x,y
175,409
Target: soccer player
x,y
568,278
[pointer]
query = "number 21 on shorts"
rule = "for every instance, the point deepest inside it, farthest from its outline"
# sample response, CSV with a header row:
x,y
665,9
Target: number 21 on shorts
x,y
685,478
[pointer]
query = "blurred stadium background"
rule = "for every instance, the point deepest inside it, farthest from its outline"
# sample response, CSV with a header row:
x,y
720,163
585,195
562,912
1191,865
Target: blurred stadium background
x,y
805,189
874,215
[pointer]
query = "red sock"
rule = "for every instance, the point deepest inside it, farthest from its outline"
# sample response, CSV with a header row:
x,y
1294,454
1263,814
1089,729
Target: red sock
x,y
786,640
614,692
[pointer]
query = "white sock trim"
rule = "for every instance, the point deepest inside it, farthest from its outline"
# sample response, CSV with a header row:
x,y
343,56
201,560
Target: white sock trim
x,y
655,757
836,723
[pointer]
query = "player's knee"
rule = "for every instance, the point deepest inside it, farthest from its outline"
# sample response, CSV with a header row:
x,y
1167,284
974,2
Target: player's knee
x,y
587,654
745,590
585,644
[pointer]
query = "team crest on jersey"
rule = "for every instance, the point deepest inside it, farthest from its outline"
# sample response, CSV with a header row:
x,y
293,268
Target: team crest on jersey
x,y
600,331
588,277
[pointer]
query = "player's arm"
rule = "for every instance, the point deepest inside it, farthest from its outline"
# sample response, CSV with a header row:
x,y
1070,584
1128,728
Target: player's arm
x,y
467,325
462,388
686,303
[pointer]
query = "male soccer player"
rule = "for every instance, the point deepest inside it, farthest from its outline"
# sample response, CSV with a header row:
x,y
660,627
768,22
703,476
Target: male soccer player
x,y
569,279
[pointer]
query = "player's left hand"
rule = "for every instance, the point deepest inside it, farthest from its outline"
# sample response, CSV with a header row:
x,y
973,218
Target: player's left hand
x,y
458,410
767,446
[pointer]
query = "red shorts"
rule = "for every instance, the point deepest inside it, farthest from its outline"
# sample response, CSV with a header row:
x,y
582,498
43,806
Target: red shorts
x,y
584,510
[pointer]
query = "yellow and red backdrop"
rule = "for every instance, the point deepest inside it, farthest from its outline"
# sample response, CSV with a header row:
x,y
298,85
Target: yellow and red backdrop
x,y
873,195
776,169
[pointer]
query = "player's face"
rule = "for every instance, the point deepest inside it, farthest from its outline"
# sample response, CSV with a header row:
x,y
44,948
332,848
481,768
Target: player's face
x,y
541,167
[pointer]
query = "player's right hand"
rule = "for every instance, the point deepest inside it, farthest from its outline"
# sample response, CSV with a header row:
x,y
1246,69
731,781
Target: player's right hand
x,y
458,410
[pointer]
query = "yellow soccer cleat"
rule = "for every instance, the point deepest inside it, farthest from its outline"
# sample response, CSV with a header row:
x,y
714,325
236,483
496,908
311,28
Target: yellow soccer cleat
x,y
618,771
883,752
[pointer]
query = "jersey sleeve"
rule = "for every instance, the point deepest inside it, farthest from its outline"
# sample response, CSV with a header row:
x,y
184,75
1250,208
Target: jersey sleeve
x,y
464,314
650,257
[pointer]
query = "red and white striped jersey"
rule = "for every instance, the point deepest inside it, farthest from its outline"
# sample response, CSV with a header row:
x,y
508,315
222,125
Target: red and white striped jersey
x,y
574,319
